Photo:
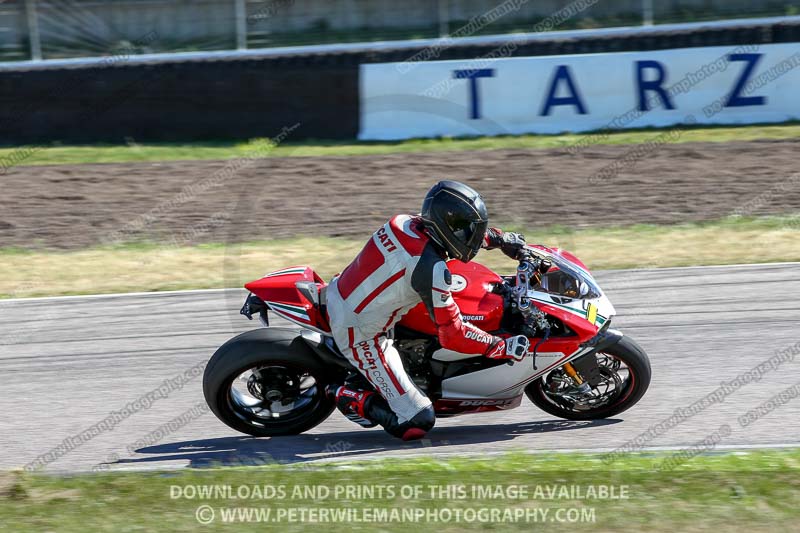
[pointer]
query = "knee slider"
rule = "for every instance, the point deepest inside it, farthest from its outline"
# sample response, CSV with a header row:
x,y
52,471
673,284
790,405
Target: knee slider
x,y
423,420
414,428
419,425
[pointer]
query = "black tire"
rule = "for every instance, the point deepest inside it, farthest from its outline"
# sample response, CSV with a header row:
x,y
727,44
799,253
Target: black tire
x,y
265,347
627,351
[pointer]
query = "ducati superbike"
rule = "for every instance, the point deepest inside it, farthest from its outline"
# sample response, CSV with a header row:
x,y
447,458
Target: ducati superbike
x,y
272,381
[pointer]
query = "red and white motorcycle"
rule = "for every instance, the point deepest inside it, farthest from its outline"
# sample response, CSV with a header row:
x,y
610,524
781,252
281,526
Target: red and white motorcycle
x,y
271,381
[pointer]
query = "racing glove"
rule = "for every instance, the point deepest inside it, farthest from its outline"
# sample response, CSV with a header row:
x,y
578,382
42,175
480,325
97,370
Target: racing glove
x,y
510,243
515,348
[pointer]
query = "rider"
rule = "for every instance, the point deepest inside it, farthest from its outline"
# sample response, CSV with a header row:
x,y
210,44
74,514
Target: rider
x,y
403,263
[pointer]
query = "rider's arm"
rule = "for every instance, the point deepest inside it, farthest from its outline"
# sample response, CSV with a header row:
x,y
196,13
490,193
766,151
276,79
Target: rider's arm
x,y
431,279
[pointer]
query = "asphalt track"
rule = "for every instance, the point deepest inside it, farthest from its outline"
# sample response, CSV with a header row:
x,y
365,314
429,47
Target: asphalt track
x,y
66,363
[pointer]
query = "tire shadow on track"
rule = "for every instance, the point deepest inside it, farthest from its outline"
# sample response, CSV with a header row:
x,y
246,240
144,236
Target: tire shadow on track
x,y
308,448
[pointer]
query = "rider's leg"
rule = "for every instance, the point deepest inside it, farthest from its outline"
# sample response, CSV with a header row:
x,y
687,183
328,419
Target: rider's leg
x,y
416,427
401,408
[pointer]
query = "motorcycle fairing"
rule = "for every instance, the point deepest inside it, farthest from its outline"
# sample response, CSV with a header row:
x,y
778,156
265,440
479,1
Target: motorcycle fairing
x,y
446,407
472,286
285,293
592,307
493,383
585,316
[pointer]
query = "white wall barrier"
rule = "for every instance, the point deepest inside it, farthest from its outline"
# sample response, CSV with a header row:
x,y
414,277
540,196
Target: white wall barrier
x,y
573,93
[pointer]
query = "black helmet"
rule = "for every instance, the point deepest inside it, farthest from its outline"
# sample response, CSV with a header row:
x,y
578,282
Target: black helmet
x,y
456,218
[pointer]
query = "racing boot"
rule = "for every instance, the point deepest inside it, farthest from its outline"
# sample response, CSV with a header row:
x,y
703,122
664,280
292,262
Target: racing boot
x,y
353,405
368,409
416,428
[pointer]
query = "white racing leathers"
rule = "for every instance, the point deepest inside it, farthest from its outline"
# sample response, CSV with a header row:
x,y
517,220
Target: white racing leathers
x,y
396,269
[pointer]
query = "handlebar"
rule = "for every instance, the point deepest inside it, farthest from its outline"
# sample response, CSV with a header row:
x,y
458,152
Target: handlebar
x,y
540,262
530,266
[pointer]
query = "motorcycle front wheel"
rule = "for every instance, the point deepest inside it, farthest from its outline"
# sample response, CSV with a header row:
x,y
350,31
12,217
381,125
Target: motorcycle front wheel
x,y
625,371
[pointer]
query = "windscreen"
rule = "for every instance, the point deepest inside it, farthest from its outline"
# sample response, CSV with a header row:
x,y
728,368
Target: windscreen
x,y
569,280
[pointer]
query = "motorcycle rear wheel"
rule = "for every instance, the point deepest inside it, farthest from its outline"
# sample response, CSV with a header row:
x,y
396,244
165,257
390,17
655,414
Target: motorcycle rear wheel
x,y
267,383
627,393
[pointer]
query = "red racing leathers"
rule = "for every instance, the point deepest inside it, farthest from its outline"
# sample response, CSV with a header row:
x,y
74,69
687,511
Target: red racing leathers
x,y
398,267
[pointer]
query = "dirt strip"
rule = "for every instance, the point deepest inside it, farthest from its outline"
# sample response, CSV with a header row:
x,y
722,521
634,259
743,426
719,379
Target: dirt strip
x,y
74,206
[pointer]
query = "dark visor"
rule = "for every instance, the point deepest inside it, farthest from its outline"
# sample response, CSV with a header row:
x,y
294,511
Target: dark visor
x,y
469,232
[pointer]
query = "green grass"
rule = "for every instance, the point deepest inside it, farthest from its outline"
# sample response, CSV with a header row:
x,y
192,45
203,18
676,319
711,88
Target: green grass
x,y
755,491
149,266
133,152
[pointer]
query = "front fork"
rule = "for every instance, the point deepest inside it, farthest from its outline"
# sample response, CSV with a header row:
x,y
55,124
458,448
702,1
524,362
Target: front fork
x,y
584,371
581,385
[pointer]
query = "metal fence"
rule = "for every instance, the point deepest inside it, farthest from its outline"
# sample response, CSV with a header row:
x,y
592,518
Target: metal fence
x,y
49,29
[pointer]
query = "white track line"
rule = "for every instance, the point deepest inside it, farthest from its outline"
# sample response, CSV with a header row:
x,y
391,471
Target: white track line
x,y
212,291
